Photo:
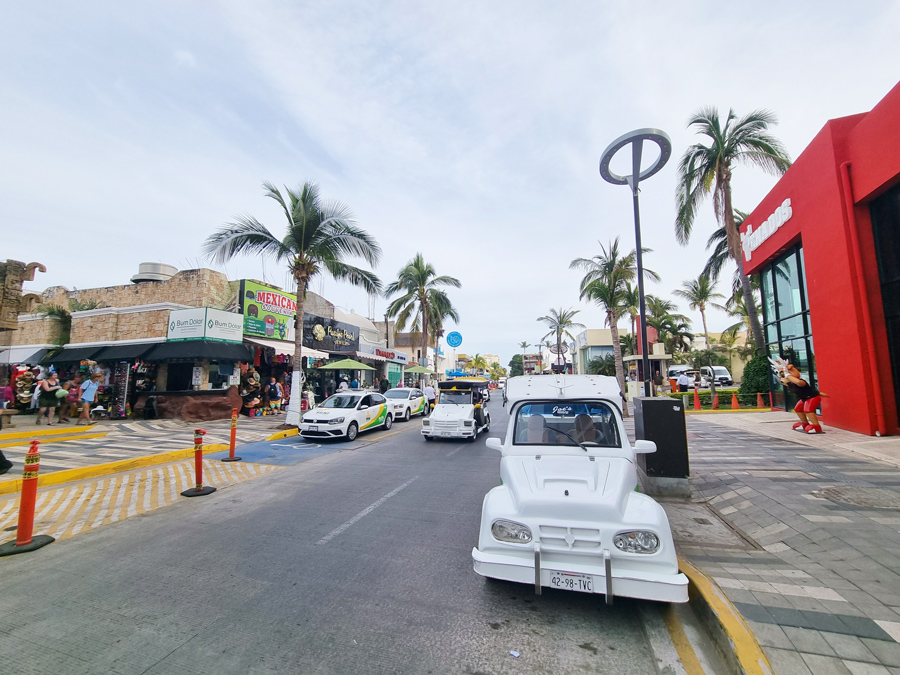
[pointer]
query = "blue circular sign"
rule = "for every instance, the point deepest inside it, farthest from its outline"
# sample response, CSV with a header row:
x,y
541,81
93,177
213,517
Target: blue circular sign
x,y
454,339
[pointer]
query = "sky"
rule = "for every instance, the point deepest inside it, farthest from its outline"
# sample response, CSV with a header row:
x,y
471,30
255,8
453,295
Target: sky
x,y
468,131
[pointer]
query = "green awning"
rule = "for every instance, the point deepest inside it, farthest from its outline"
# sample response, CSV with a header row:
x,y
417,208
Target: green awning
x,y
345,364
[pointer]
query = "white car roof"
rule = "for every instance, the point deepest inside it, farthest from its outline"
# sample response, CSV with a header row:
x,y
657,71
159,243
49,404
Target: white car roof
x,y
555,387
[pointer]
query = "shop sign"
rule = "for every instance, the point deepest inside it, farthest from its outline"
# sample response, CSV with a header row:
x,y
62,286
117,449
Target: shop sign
x,y
268,312
389,354
204,323
196,376
752,239
329,335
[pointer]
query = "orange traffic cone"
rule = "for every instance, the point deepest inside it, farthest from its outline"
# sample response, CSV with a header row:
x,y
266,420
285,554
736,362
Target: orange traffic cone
x,y
759,401
734,402
715,403
696,400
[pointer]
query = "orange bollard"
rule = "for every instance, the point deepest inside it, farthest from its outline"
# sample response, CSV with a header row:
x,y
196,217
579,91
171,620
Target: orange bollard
x,y
696,399
770,400
24,540
715,403
198,491
231,457
734,402
759,401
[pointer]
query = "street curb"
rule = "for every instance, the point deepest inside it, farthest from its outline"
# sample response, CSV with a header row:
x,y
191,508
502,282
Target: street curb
x,y
278,435
729,410
46,432
50,439
728,629
72,475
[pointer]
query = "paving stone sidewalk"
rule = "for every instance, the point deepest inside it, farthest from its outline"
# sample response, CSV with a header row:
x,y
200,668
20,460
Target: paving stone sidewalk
x,y
131,439
816,570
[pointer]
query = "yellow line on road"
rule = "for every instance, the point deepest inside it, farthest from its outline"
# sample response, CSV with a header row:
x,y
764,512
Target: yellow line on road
x,y
49,439
682,644
47,432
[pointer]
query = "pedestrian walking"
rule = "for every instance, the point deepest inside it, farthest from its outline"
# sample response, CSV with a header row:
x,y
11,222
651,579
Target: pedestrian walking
x,y
69,404
683,381
384,385
47,398
88,395
431,396
657,383
274,394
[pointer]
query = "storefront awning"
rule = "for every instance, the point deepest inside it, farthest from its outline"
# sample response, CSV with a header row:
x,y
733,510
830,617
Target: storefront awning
x,y
127,352
27,355
71,355
371,357
286,348
200,350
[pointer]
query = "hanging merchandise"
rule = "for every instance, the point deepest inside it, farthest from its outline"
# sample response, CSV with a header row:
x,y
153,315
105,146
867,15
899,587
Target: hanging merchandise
x,y
25,384
121,382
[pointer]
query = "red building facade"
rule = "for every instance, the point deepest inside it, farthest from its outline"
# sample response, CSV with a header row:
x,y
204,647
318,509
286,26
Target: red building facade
x,y
826,244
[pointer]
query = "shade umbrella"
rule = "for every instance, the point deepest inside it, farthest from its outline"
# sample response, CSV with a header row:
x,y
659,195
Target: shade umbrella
x,y
420,369
345,364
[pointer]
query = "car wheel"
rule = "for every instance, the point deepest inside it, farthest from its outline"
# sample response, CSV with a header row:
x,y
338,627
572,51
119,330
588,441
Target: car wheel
x,y
352,431
388,422
407,416
487,427
428,438
471,438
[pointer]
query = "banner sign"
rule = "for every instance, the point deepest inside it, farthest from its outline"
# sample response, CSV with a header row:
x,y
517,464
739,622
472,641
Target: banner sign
x,y
328,335
390,354
204,323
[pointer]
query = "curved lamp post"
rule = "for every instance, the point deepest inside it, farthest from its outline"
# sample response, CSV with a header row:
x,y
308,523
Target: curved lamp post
x,y
636,140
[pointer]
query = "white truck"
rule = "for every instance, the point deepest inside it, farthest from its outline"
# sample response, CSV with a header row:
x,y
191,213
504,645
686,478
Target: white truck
x,y
459,411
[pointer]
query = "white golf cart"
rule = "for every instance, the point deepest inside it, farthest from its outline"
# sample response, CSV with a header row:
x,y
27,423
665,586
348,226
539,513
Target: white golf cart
x,y
566,514
459,411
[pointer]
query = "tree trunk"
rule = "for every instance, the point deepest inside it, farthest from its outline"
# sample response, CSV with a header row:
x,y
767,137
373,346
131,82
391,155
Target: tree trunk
x,y
617,352
712,382
424,307
752,312
298,379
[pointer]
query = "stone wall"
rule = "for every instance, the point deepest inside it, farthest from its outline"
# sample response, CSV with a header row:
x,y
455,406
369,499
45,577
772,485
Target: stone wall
x,y
46,330
12,275
95,326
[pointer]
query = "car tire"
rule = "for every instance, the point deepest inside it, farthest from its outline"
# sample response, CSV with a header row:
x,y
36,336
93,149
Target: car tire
x,y
407,416
472,438
428,438
352,431
388,422
487,427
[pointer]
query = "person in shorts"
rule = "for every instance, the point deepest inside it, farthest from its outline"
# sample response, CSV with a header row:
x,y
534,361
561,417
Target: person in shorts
x,y
274,394
87,397
808,397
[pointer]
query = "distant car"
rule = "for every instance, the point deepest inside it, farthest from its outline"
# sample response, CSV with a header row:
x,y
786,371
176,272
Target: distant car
x,y
719,373
459,411
404,403
346,413
566,514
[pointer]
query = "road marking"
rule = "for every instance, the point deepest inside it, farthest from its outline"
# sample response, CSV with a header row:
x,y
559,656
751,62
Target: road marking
x,y
683,646
366,511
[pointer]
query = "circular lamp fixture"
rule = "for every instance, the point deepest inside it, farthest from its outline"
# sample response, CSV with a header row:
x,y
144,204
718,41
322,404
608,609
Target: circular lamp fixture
x,y
636,138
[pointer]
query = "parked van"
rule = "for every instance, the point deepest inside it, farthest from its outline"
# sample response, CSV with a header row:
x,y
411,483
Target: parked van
x,y
719,373
675,371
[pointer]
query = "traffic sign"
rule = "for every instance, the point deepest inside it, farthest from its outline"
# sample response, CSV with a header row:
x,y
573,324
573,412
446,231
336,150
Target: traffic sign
x,y
454,339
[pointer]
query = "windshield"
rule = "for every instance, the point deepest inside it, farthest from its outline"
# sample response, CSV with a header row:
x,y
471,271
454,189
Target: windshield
x,y
590,423
341,401
397,393
455,397
719,370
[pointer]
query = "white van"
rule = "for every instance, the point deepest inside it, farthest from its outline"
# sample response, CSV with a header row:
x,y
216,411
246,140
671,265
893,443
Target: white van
x,y
675,371
719,373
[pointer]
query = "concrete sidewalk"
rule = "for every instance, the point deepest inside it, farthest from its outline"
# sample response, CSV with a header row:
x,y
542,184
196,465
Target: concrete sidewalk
x,y
811,554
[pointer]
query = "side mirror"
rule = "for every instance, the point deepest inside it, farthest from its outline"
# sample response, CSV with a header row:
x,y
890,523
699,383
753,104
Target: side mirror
x,y
363,407
496,444
642,447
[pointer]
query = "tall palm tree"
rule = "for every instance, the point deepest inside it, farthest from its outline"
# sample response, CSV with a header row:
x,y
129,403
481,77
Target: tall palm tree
x,y
478,364
421,301
560,322
441,309
605,283
320,236
523,346
632,304
700,293
708,168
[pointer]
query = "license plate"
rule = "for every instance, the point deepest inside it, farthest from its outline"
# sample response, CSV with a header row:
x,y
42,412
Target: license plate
x,y
445,433
583,583
313,427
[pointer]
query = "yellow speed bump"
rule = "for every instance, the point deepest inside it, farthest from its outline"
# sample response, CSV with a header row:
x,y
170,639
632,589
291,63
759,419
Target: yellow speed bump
x,y
46,431
744,647
48,439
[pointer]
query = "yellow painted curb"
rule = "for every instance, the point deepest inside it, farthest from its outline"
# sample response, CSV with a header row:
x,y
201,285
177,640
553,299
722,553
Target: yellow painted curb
x,y
745,648
730,410
51,439
278,435
47,432
72,475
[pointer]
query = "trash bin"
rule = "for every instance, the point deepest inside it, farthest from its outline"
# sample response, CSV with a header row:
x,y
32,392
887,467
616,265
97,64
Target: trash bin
x,y
666,471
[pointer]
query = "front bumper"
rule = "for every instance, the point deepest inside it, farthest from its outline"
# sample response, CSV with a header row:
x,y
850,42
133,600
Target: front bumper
x,y
625,582
323,431
468,432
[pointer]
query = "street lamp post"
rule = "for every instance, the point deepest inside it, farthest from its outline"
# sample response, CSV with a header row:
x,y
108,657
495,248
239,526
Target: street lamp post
x,y
636,139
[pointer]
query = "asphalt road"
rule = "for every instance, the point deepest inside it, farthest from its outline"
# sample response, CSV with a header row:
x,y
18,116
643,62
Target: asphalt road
x,y
357,559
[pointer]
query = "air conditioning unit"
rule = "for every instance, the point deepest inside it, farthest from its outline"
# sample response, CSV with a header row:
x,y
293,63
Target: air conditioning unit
x,y
154,272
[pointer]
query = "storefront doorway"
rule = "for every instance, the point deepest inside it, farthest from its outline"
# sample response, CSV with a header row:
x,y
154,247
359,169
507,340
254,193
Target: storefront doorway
x,y
179,376
786,319
885,212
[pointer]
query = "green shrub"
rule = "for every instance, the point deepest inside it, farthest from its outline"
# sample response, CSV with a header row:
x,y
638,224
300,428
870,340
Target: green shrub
x,y
756,376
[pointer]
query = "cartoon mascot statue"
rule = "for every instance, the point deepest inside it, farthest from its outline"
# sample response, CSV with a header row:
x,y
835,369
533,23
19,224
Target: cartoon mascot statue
x,y
808,396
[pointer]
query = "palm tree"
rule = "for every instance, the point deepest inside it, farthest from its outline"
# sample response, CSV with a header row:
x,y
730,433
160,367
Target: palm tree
x,y
605,284
320,236
523,346
440,309
708,168
478,364
422,302
632,305
560,322
699,293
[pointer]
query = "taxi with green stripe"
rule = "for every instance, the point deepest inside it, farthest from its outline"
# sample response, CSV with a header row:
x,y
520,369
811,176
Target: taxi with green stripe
x,y
345,414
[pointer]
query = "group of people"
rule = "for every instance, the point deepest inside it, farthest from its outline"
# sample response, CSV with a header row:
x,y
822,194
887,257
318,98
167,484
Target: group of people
x,y
60,399
272,394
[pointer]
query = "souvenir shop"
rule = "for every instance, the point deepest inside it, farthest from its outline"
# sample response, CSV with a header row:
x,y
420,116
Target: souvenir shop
x,y
825,243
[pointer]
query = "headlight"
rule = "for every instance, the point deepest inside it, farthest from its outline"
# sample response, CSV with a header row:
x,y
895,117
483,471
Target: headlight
x,y
639,541
507,530
426,423
336,420
468,423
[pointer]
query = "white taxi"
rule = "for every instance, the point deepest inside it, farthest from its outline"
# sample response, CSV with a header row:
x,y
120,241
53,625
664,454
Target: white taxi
x,y
346,414
566,514
406,402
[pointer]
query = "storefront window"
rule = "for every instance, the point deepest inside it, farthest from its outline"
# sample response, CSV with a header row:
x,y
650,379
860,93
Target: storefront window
x,y
786,318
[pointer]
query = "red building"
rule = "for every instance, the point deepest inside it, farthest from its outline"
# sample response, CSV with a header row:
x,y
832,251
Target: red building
x,y
826,244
